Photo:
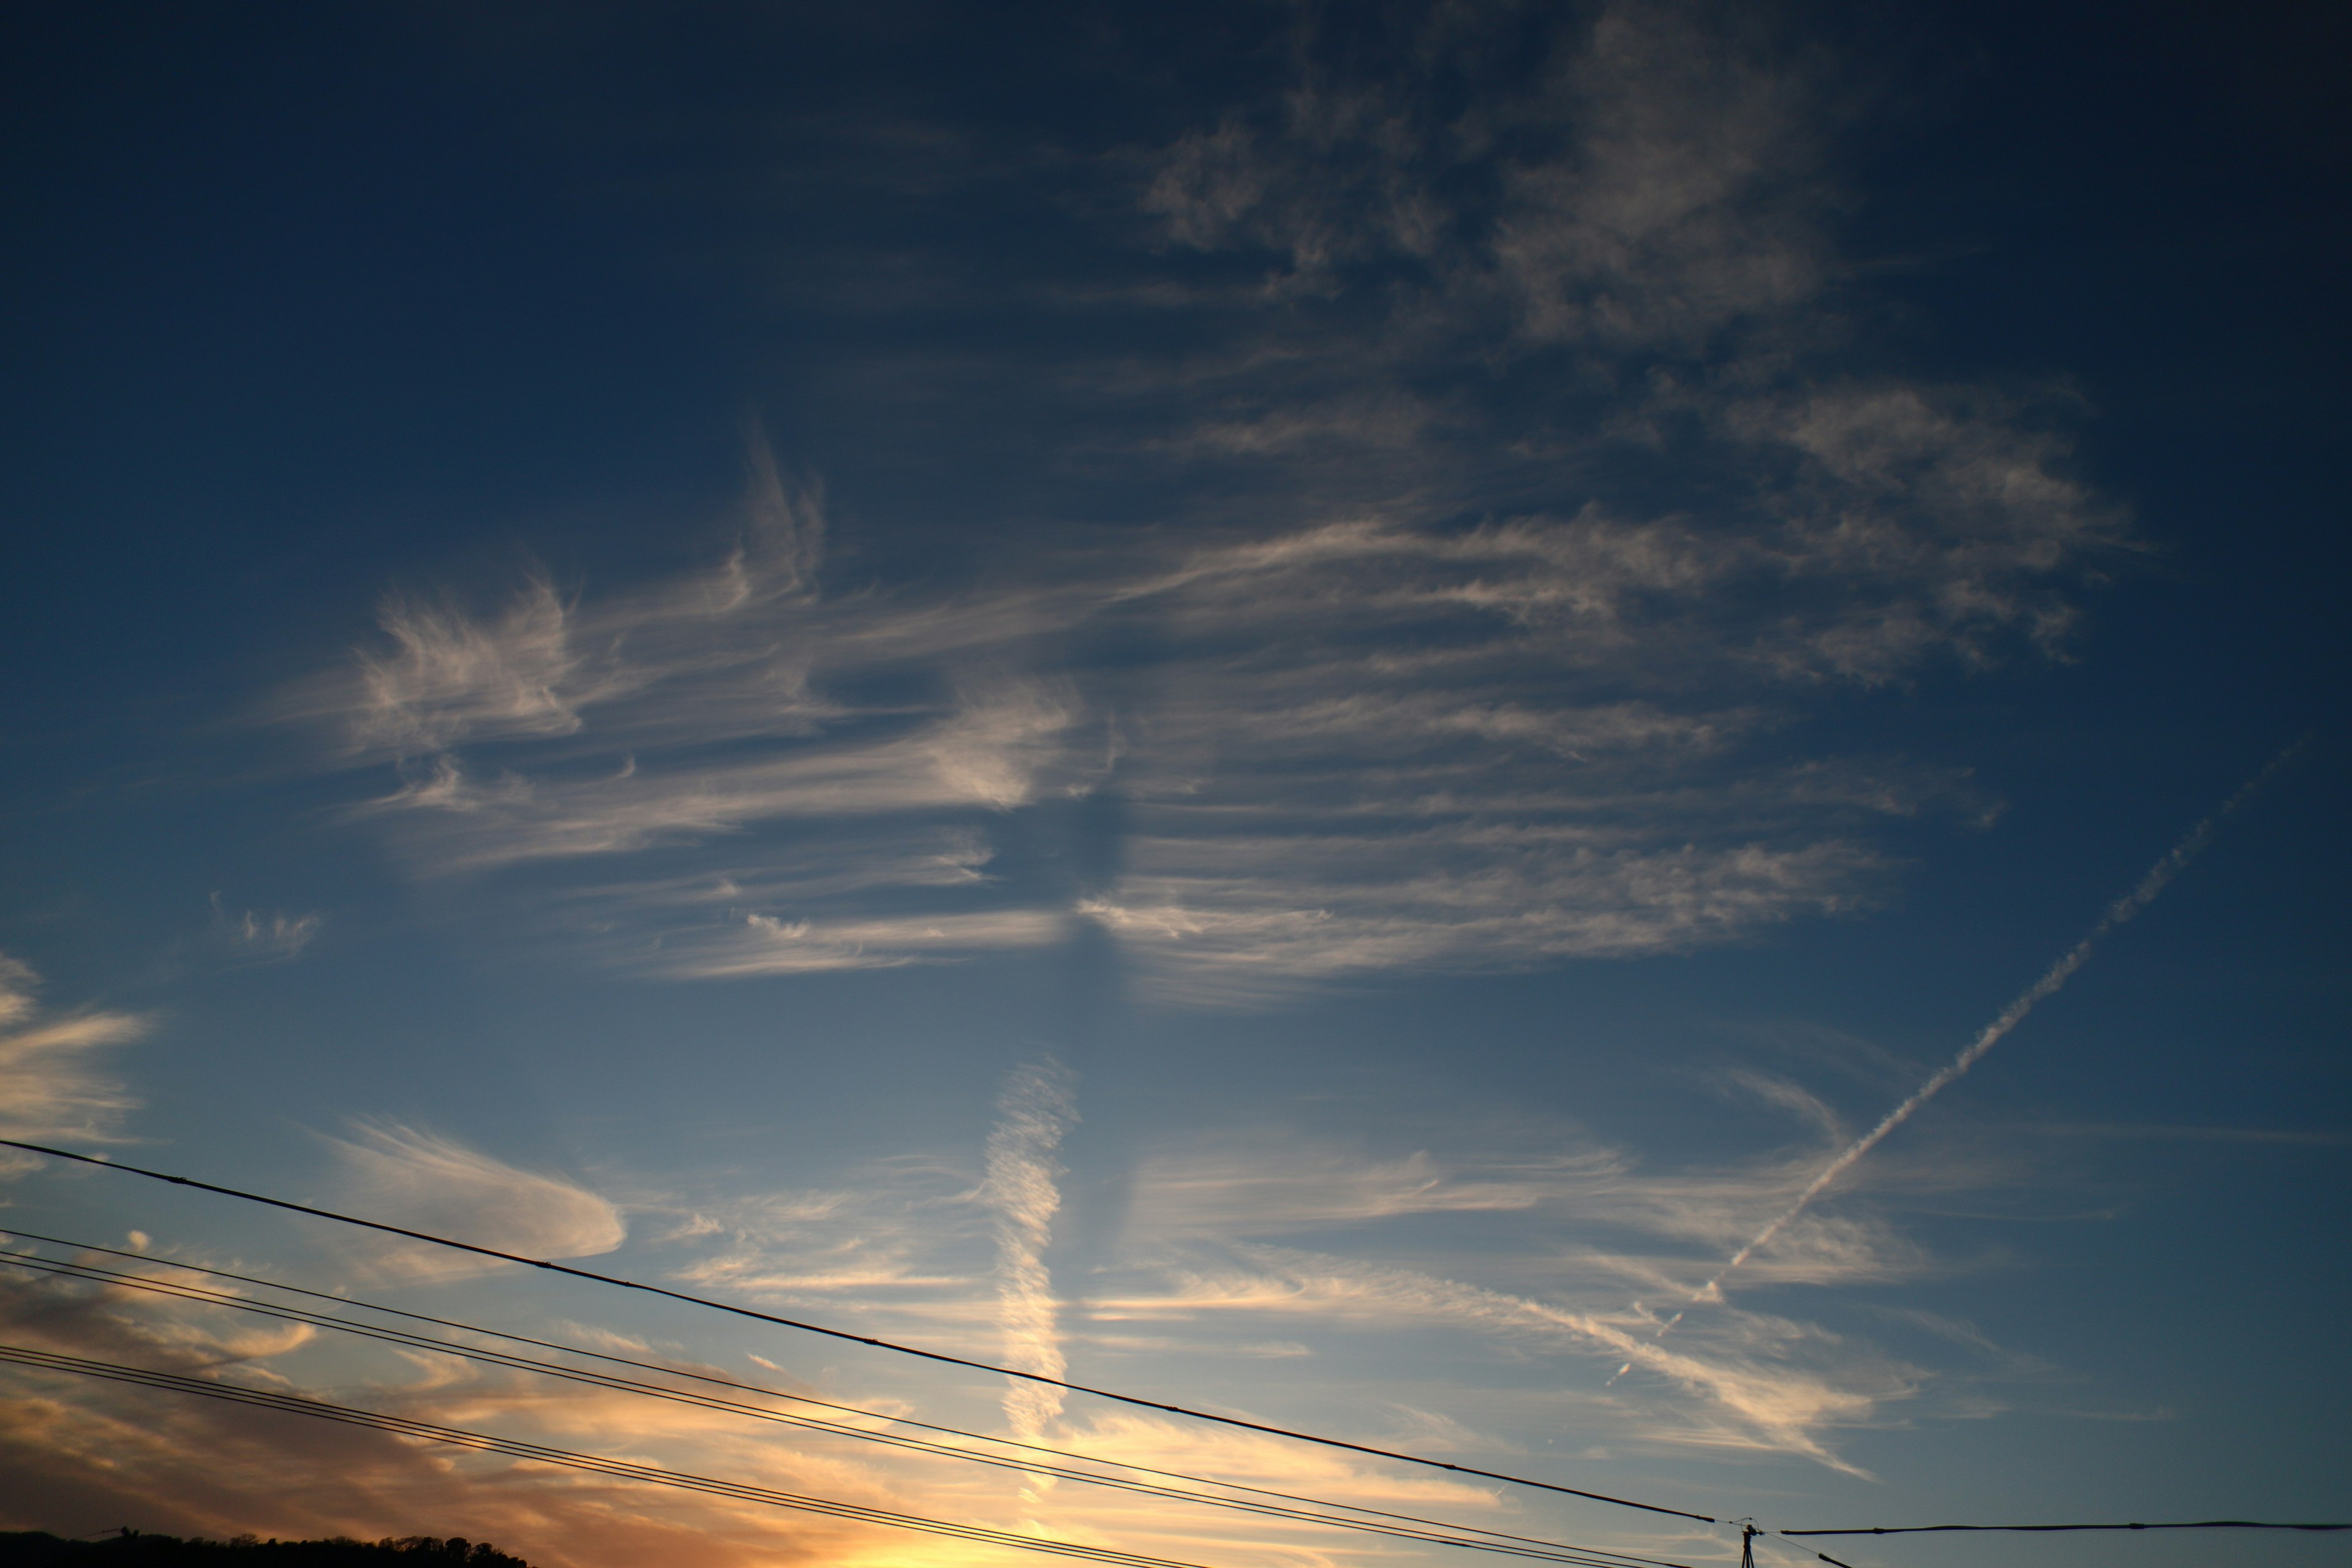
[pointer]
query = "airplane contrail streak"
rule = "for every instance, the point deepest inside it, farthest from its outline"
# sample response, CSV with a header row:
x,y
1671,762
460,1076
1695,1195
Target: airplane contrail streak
x,y
2058,973
1036,1108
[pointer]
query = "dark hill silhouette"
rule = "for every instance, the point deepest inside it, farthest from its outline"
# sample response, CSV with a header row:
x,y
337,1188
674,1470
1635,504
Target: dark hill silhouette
x,y
39,1549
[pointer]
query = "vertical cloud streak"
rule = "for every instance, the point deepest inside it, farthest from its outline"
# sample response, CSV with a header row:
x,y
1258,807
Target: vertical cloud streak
x,y
1033,1112
2056,977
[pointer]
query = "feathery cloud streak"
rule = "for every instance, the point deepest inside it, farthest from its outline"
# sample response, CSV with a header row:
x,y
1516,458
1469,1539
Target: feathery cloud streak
x,y
258,938
55,1093
431,1182
1517,518
1211,1259
1022,1189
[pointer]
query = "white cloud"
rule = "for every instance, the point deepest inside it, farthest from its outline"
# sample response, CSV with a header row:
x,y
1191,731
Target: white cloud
x,y
425,1182
1234,1187
1518,525
1363,746
900,1239
1682,201
1233,1239
1206,1279
265,938
1021,1188
1759,1383
55,1093
766,944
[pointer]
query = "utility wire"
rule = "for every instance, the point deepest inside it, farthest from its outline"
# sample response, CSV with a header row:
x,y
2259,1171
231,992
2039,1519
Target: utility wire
x,y
402,1426
1548,1550
2192,1524
845,1334
771,1392
79,1271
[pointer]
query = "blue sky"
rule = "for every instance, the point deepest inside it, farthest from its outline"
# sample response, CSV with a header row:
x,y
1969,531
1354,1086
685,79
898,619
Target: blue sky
x,y
1290,707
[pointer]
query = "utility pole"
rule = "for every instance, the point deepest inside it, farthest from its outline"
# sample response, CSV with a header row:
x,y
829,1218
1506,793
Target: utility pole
x,y
1746,1550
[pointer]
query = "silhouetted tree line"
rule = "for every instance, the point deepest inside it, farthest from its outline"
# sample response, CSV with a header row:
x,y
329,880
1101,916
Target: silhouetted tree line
x,y
134,1549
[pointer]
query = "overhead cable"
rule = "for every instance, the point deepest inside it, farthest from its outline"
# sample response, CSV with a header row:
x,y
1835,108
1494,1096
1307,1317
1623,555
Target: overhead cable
x,y
402,1426
727,1383
1434,1533
845,1334
775,1394
2037,1529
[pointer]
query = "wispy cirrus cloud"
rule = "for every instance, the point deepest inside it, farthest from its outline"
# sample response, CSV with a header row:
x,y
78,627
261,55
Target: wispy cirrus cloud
x,y
1236,1252
256,938
1530,500
426,1181
902,1240
191,1466
1244,1238
1462,749
55,1091
1766,1384
1023,1190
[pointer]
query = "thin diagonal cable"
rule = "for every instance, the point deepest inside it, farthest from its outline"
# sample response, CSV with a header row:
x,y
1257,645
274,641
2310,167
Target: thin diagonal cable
x,y
2041,1529
845,1334
1547,1551
403,1427
597,1464
754,1388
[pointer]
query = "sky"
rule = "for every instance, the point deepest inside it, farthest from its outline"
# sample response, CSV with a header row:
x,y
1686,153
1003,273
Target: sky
x,y
1603,740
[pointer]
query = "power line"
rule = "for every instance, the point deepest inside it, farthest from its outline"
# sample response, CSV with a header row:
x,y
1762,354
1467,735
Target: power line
x,y
115,1277
755,1388
1548,1550
402,1425
845,1334
2192,1524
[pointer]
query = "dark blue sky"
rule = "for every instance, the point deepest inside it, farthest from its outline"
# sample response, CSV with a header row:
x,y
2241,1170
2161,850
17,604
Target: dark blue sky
x,y
1283,703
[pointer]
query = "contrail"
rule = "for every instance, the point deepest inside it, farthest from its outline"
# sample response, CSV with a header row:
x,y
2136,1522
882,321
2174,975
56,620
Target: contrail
x,y
2122,910
1034,1109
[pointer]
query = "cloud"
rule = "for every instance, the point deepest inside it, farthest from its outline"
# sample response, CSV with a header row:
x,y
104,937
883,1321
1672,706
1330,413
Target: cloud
x,y
121,1325
2052,980
1649,182
1208,1271
900,1240
1234,1186
1239,1250
1511,814
447,677
1524,508
1233,1239
766,944
56,1092
1033,1112
258,938
1604,1218
182,1464
1212,936
81,1451
1772,1384
425,1182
